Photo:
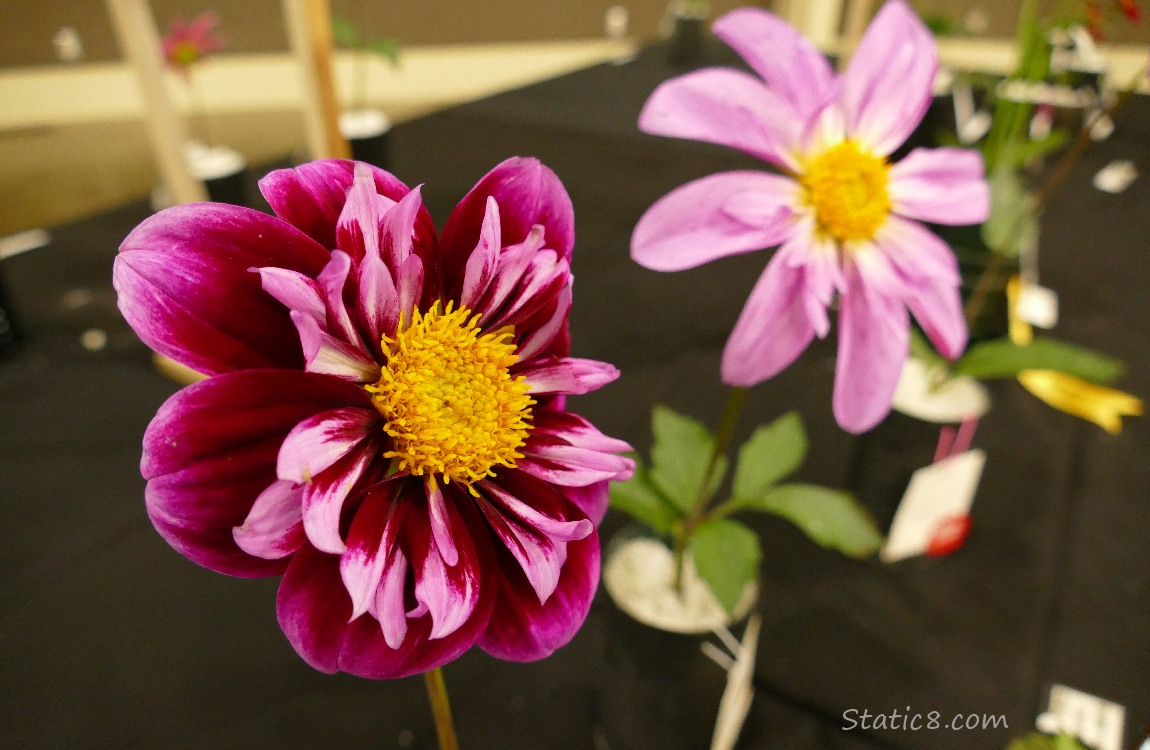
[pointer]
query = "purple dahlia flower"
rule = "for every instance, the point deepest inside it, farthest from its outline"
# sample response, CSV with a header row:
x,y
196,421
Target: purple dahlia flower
x,y
844,217
384,420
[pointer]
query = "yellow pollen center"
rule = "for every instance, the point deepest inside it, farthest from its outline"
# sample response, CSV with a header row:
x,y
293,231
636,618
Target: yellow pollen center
x,y
848,189
451,406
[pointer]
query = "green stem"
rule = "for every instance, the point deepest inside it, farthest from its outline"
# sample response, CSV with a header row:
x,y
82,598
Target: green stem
x,y
698,512
1050,185
441,709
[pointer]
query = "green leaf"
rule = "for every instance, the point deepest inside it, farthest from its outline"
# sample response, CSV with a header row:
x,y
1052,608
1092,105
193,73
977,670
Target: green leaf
x,y
638,498
727,555
1002,358
831,518
344,32
679,458
1039,741
387,48
1013,221
771,453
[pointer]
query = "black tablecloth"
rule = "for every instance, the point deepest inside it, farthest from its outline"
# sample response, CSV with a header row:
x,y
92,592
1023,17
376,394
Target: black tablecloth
x,y
108,638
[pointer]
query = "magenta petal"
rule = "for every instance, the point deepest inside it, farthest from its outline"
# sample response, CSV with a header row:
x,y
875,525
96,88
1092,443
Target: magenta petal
x,y
786,60
888,84
536,341
727,107
572,466
775,325
593,499
183,283
314,611
522,629
312,196
528,193
438,518
941,185
873,343
409,286
481,265
331,282
316,443
570,375
378,301
210,452
701,221
274,526
398,227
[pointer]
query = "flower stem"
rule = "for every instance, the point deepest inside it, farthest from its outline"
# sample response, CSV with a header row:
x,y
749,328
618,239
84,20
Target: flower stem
x,y
726,428
441,709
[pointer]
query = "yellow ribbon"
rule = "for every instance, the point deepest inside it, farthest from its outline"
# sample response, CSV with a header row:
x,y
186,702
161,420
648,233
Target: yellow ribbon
x,y
1103,406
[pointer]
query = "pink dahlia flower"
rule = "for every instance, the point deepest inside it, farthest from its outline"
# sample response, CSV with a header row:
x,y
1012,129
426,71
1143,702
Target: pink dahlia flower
x,y
186,43
384,423
843,216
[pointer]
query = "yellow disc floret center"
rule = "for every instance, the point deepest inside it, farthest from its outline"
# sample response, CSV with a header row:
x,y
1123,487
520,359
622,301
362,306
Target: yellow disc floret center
x,y
451,406
847,187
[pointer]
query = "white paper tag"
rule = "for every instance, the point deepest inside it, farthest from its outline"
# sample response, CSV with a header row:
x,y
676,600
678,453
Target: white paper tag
x,y
1097,722
1038,306
937,495
951,400
1116,176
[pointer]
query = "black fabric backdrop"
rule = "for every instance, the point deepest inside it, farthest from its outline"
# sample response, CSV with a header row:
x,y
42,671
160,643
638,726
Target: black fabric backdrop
x,y
108,638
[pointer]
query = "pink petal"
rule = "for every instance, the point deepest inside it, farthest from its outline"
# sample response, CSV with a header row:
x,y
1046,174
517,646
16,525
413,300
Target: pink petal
x,y
512,263
316,443
727,107
409,286
776,323
332,281
786,60
324,497
210,452
295,291
593,500
873,345
326,355
723,214
274,526
357,229
440,527
481,265
183,283
938,309
312,196
522,629
528,193
378,302
371,544
887,86
572,466
449,590
942,186
568,375
398,228
918,253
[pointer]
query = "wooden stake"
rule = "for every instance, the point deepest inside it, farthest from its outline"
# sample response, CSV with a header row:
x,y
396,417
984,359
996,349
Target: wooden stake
x,y
140,43
309,30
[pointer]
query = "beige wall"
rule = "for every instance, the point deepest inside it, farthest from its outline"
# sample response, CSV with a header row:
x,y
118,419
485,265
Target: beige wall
x,y
27,26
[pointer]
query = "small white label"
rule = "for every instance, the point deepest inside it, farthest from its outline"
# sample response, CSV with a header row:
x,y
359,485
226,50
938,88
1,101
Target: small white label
x,y
1038,306
937,493
1097,722
1116,176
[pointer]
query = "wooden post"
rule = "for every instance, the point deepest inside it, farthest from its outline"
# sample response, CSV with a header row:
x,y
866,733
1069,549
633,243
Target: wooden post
x,y
818,20
140,43
309,30
858,16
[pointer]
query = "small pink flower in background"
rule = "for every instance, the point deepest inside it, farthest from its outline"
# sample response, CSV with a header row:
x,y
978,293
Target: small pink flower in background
x,y
385,420
186,44
844,217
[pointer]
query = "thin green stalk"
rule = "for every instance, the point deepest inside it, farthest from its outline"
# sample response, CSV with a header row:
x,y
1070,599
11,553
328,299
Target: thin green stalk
x,y
441,709
685,530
